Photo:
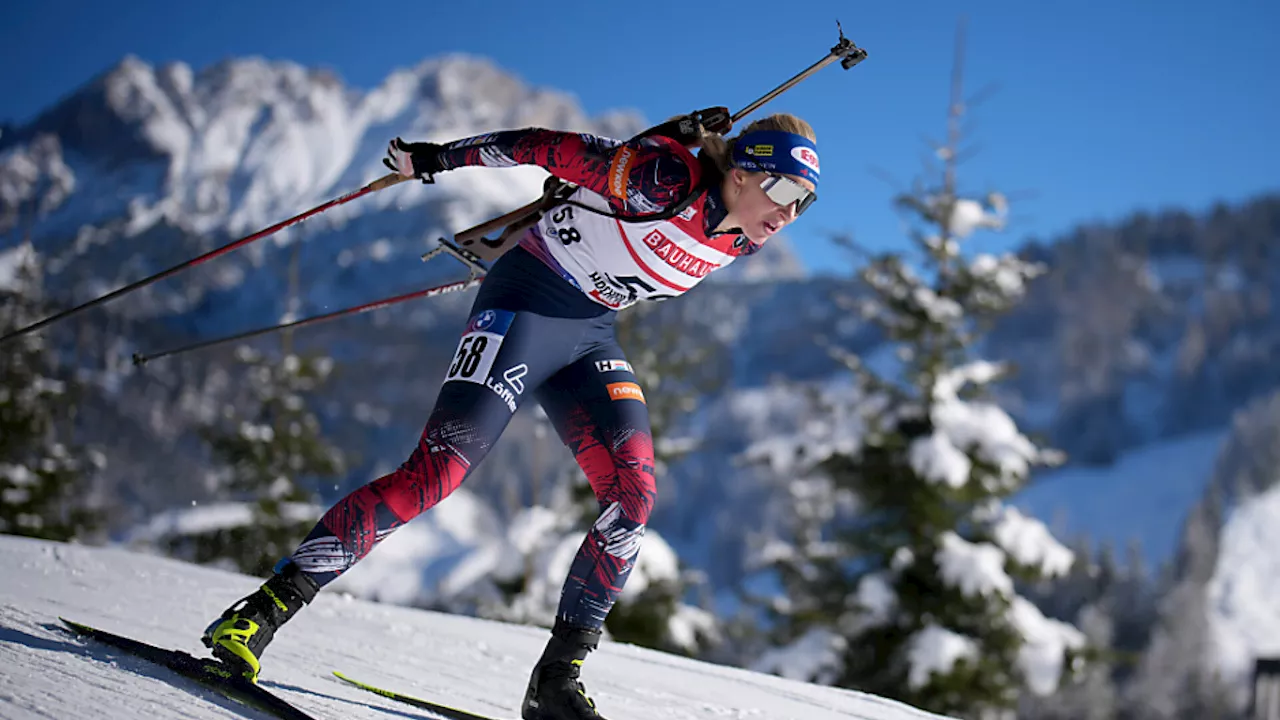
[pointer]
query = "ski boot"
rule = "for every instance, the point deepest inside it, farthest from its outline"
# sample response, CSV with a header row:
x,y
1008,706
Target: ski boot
x,y
243,631
554,690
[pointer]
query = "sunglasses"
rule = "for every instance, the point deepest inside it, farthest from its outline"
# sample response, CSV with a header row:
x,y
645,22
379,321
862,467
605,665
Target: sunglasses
x,y
784,191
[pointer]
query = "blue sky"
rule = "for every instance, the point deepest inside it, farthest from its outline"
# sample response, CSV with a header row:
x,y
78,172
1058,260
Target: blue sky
x,y
1100,108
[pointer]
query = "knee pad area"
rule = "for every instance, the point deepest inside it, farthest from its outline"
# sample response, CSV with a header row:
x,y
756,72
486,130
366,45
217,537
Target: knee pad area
x,y
620,535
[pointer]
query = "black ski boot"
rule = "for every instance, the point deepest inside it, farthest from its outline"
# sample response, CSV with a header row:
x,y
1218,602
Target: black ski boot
x,y
554,690
243,631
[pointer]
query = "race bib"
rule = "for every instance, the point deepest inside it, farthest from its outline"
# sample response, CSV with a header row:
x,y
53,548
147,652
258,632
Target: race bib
x,y
478,346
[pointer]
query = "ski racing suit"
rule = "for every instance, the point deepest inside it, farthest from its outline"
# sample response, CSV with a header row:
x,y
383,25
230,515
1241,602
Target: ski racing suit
x,y
542,325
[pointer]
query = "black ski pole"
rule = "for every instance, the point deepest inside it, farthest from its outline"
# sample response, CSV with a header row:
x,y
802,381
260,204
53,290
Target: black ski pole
x,y
383,182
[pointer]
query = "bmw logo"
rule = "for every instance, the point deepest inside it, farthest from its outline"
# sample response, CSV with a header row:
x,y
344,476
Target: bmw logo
x,y
485,319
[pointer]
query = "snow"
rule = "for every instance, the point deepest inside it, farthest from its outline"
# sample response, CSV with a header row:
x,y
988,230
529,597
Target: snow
x,y
938,309
1174,270
209,518
1144,496
978,569
440,554
1008,273
973,568
1045,642
657,562
979,427
936,649
876,602
19,475
968,215
380,250
837,429
934,458
1030,543
474,664
12,262
35,171
815,655
1243,590
257,433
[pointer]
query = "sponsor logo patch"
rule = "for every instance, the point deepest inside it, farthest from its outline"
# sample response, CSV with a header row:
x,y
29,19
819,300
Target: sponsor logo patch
x,y
625,391
613,366
676,256
606,294
504,394
619,170
806,156
515,377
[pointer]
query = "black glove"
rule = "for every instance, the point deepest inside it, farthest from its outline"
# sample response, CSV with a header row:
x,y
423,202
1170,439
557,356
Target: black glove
x,y
715,120
420,160
684,128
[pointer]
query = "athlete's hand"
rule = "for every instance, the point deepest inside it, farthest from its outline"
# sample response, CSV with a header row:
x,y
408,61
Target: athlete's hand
x,y
420,160
716,120
684,128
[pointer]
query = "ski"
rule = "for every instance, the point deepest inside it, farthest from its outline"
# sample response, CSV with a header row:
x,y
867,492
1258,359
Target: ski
x,y
444,711
210,673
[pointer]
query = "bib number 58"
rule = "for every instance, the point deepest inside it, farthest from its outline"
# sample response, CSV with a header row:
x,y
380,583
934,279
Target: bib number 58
x,y
474,357
470,353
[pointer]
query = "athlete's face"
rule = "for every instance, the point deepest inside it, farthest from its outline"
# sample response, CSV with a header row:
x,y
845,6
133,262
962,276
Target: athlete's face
x,y
753,210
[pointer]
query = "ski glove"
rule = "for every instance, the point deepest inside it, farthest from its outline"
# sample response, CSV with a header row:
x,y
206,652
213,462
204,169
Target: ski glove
x,y
684,128
420,160
715,119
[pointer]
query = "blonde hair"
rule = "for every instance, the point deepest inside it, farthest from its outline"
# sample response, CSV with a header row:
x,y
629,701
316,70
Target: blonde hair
x,y
720,149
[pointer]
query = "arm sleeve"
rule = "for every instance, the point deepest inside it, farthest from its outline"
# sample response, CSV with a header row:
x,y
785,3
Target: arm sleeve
x,y
636,177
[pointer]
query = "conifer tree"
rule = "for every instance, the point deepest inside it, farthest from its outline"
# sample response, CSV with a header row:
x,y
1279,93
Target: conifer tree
x,y
906,567
45,479
271,454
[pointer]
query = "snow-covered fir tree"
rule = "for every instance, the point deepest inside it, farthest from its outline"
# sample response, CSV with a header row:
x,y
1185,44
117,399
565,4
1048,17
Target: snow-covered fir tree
x,y
46,481
903,574
271,455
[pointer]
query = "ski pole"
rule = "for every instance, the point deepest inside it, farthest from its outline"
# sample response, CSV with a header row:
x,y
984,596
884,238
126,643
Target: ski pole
x,y
381,183
844,50
476,274
140,359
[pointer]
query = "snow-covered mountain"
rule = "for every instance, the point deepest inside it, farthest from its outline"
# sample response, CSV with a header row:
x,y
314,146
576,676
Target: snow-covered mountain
x,y
1151,331
470,663
143,166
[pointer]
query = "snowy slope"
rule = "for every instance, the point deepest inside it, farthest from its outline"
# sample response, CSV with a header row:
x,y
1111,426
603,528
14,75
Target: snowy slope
x,y
1143,496
1242,608
472,663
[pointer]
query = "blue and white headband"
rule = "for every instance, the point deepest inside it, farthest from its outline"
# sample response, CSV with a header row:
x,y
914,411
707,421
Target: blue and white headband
x,y
777,151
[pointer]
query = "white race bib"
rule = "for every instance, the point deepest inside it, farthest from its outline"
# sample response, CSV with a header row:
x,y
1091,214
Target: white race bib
x,y
478,347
